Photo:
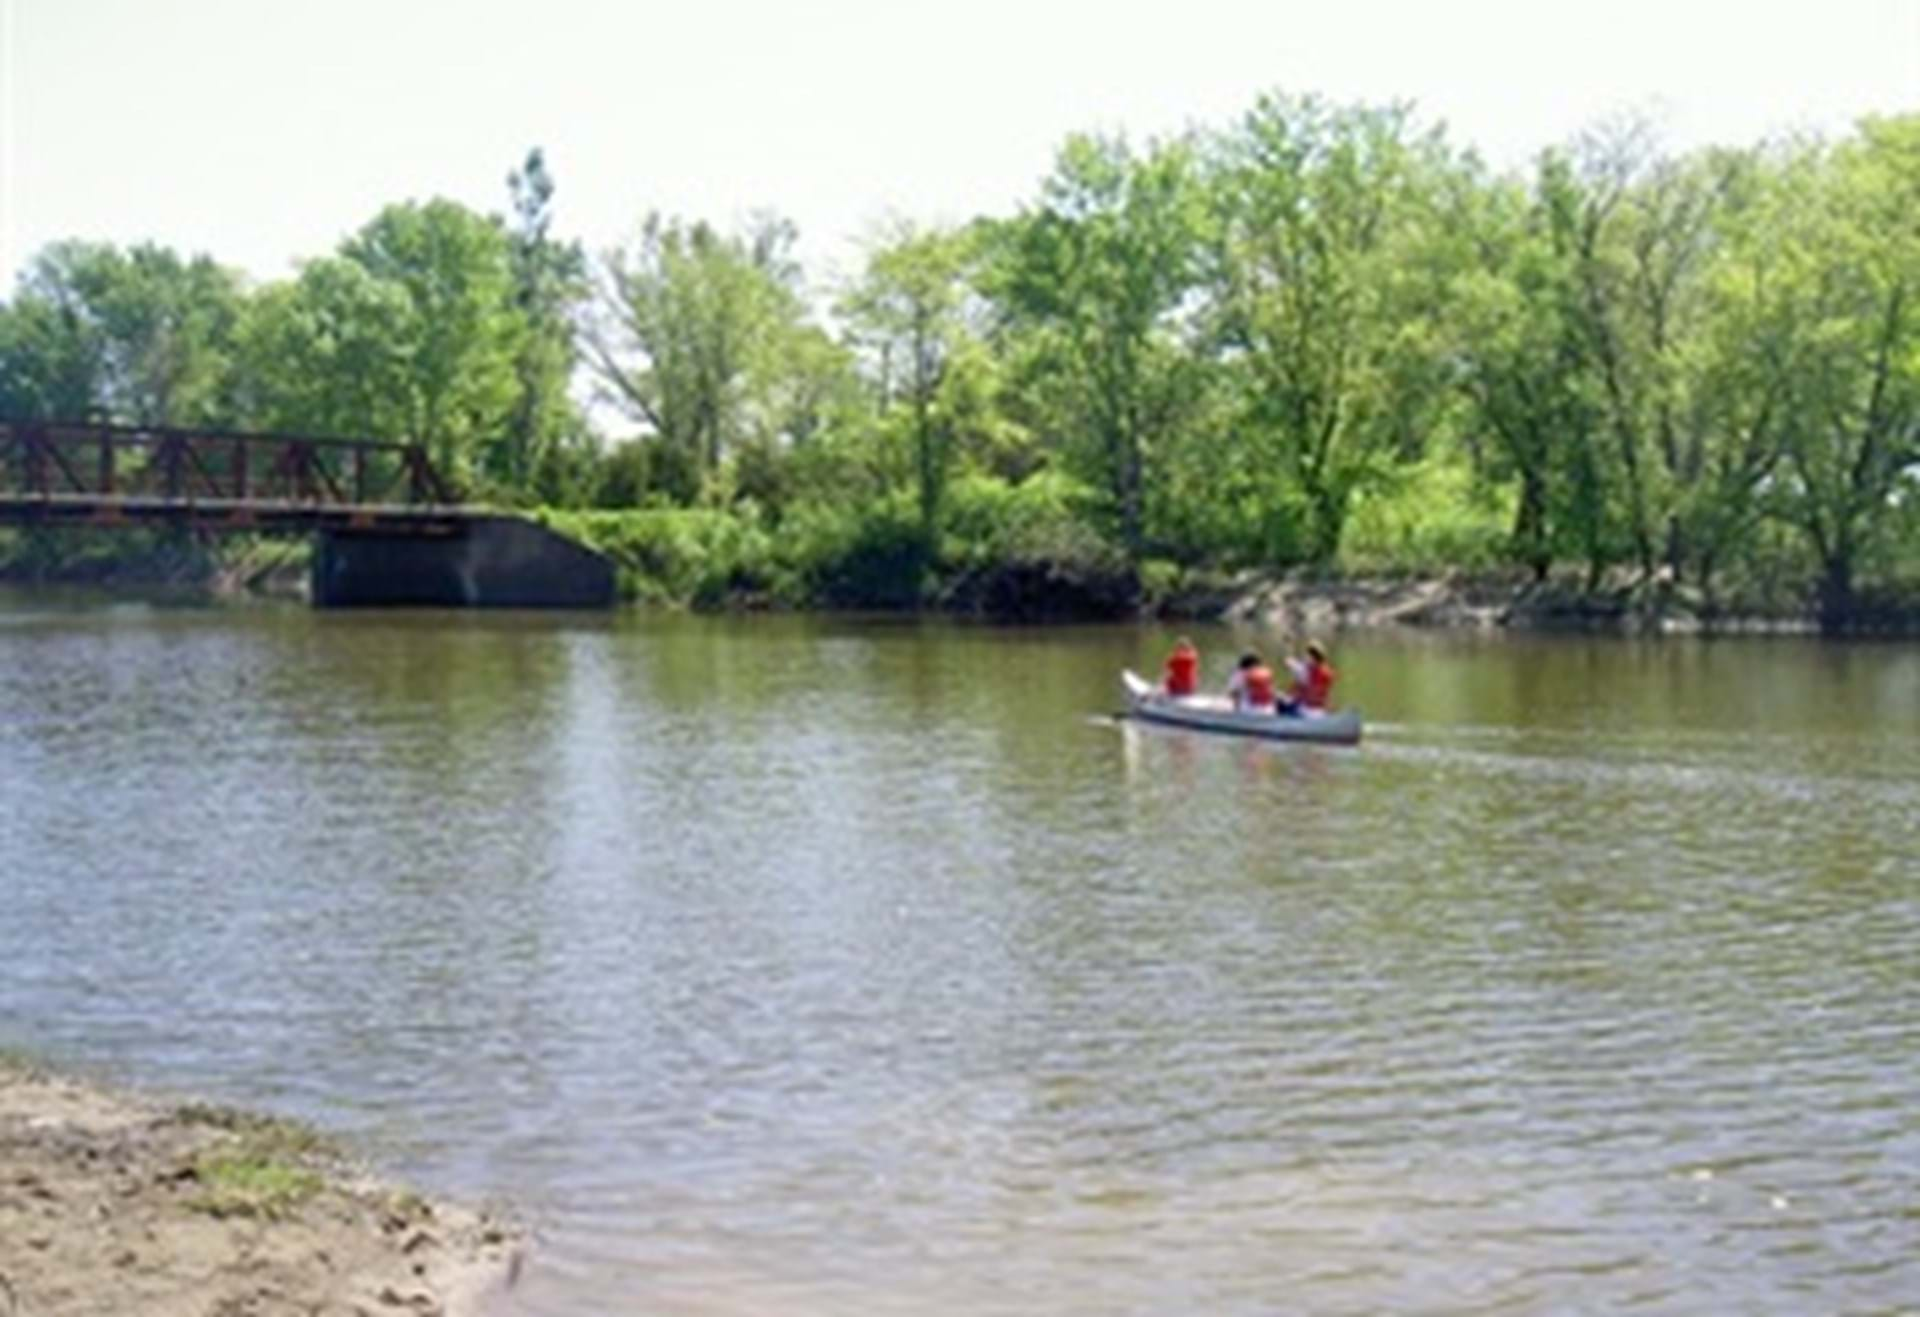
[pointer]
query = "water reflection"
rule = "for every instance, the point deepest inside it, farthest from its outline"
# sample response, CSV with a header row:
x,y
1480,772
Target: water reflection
x,y
801,965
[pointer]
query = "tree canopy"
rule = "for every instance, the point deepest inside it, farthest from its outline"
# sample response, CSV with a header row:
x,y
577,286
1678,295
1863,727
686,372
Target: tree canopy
x,y
1321,336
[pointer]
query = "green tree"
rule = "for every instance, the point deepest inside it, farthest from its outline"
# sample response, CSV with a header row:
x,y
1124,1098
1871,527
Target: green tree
x,y
140,336
1852,301
909,314
694,334
461,335
1613,331
1326,289
1643,232
549,280
811,399
330,353
1531,418
1098,279
1739,369
51,363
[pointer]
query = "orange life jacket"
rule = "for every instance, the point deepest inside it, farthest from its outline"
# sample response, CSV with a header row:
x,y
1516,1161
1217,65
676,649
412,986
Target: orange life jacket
x,y
1183,670
1259,685
1314,689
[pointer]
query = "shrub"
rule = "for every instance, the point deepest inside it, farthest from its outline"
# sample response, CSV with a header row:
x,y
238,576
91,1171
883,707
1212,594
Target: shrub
x,y
871,556
989,519
133,555
679,556
1026,552
1434,517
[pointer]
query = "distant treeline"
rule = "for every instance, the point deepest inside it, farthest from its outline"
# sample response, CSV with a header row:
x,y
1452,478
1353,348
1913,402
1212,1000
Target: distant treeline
x,y
1324,337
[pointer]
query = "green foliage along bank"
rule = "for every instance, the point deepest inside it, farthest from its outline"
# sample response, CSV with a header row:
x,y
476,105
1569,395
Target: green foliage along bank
x,y
1321,338
998,549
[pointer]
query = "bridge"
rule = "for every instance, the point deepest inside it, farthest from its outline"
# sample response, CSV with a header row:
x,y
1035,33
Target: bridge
x,y
388,526
109,475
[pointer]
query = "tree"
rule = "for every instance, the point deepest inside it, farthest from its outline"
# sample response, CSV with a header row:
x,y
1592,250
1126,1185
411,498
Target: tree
x,y
460,336
1097,280
51,364
1644,235
1852,301
549,279
1739,370
330,353
140,336
1518,360
695,335
1326,293
410,334
909,312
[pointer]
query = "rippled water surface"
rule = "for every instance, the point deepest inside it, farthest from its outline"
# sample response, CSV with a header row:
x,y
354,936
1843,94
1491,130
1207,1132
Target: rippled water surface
x,y
816,966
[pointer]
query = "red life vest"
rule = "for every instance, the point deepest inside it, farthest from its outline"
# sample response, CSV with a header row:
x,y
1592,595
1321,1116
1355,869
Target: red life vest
x,y
1183,671
1315,689
1259,687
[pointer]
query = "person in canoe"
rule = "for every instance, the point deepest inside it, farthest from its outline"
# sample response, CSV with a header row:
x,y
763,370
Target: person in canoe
x,y
1312,688
1251,686
1183,669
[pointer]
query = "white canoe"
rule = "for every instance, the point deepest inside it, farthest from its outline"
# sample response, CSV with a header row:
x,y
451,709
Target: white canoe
x,y
1214,713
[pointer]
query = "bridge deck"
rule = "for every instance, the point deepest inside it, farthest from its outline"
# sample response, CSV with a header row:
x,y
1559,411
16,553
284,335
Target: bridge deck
x,y
236,515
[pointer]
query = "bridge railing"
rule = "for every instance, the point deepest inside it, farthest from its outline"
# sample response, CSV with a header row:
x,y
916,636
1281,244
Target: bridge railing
x,y
135,464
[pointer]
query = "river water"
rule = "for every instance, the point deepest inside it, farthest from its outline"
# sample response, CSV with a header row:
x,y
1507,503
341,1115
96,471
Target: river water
x,y
825,966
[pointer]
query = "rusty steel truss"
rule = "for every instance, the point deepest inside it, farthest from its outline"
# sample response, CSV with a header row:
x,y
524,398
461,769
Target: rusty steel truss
x,y
81,473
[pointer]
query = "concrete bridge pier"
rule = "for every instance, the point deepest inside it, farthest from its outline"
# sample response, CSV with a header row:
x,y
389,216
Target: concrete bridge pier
x,y
483,562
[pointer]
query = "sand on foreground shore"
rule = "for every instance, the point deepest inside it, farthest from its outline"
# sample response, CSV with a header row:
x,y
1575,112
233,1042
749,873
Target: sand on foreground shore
x,y
116,1204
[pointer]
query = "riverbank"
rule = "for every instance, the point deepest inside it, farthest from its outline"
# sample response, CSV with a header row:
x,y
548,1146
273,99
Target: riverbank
x,y
1310,604
114,1202
687,572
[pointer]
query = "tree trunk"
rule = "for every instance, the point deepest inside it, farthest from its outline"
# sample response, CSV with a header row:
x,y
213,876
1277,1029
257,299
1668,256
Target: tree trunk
x,y
1329,524
929,463
1530,528
1709,598
1836,594
1131,521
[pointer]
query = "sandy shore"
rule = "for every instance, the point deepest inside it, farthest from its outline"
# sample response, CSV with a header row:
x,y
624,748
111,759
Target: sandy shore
x,y
117,1204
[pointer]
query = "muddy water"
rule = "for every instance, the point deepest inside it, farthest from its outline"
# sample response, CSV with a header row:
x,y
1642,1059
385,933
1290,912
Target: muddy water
x,y
825,966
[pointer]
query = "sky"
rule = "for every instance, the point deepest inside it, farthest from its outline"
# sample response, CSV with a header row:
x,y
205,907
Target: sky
x,y
262,132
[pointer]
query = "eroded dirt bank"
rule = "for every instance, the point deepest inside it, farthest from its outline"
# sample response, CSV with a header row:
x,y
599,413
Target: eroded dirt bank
x,y
116,1204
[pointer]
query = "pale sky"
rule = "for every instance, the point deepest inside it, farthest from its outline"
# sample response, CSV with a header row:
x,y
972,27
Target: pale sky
x,y
264,131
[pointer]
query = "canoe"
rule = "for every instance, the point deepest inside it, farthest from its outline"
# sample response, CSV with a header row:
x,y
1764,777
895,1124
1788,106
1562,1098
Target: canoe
x,y
1214,713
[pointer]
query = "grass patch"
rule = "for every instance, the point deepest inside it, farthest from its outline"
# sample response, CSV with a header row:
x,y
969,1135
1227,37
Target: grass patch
x,y
260,1169
239,1181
